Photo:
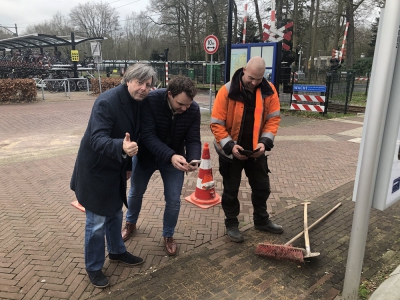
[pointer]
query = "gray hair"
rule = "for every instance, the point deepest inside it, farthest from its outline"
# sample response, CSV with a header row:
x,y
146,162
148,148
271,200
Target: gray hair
x,y
140,72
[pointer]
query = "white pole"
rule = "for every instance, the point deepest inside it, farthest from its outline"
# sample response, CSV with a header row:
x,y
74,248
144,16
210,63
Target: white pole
x,y
211,71
98,72
299,60
376,111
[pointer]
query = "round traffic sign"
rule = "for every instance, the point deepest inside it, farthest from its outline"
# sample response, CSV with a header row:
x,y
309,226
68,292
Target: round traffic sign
x,y
211,44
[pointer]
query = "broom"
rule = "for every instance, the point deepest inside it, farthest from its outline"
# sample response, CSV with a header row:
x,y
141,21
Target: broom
x,y
286,251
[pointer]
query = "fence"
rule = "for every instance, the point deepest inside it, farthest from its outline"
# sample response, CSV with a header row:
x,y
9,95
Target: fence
x,y
199,72
341,85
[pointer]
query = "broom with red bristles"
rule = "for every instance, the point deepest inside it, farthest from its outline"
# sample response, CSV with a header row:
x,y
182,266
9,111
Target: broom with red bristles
x,y
286,251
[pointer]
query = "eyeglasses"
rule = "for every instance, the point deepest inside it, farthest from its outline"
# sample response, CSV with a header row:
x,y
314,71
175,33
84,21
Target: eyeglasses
x,y
140,83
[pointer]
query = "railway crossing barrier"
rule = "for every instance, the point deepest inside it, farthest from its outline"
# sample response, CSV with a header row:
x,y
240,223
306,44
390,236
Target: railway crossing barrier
x,y
308,98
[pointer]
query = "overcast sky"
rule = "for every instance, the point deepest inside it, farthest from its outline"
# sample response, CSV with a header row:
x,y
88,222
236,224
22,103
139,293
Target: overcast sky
x,y
28,12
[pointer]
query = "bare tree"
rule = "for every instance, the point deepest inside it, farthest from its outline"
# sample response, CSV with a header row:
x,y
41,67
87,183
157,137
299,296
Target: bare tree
x,y
295,21
310,25
235,19
258,17
314,35
58,25
95,19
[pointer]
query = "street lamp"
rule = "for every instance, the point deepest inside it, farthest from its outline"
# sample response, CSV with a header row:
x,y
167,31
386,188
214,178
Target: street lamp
x,y
6,28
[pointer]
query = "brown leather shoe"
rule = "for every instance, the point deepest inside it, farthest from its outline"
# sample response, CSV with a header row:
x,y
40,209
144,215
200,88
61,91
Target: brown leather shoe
x,y
170,246
127,231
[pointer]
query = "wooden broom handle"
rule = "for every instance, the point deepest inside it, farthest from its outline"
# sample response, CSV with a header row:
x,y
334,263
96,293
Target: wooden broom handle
x,y
306,237
314,224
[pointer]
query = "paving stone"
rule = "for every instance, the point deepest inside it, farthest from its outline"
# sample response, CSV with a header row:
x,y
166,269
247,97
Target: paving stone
x,y
43,234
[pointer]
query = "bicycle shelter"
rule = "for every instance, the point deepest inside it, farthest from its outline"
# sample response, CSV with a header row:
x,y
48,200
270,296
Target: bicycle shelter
x,y
37,40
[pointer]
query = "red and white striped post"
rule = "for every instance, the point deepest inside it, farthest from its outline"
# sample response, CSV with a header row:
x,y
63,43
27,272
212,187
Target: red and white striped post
x,y
343,42
244,23
166,73
273,20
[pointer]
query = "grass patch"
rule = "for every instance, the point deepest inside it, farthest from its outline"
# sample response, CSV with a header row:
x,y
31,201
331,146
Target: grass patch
x,y
367,287
312,115
359,99
363,291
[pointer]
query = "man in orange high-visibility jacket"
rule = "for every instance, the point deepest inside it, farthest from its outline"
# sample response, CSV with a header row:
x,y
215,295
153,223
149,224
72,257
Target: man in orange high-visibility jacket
x,y
244,120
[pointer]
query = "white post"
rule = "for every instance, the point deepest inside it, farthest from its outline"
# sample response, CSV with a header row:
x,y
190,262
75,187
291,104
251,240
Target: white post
x,y
98,72
373,131
211,71
299,60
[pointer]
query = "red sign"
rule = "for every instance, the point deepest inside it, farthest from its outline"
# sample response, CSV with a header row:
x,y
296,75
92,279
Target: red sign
x,y
211,44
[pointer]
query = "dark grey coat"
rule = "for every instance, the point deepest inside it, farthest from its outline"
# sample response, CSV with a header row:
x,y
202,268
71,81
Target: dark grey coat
x,y
99,176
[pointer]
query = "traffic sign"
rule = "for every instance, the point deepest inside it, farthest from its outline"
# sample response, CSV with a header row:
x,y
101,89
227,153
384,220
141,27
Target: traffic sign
x,y
309,88
211,44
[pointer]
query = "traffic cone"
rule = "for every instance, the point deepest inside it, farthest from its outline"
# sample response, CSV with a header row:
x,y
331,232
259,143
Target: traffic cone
x,y
205,195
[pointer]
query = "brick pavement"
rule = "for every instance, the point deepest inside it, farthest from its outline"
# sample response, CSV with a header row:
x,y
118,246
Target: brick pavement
x,y
41,254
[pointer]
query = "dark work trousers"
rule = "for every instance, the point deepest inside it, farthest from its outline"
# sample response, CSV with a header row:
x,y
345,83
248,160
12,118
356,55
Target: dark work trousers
x,y
256,170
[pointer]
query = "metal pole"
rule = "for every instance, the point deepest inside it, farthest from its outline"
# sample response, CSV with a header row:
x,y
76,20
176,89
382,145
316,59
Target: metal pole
x,y
75,63
98,72
43,83
211,71
299,60
370,150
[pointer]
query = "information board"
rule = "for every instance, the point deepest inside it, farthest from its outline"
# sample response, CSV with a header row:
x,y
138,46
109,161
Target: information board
x,y
241,53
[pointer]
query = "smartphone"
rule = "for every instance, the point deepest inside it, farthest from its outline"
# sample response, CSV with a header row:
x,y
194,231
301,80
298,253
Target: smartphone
x,y
248,153
195,162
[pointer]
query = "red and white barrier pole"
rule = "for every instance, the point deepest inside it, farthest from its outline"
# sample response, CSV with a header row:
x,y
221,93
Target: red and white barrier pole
x,y
343,42
273,19
244,23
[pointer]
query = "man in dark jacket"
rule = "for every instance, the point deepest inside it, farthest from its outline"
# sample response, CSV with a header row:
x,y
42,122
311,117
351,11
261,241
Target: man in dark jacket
x,y
103,165
170,125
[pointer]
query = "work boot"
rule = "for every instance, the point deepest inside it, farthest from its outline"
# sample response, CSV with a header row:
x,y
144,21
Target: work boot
x,y
98,279
127,231
170,246
234,234
270,227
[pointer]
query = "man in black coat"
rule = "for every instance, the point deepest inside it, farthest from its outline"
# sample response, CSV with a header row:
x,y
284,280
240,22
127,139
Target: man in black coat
x,y
103,165
169,141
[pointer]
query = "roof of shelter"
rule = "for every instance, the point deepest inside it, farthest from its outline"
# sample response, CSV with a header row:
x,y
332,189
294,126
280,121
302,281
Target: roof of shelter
x,y
37,40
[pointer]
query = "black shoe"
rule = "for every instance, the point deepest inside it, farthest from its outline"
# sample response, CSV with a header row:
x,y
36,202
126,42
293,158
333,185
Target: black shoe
x,y
234,234
126,258
270,227
98,279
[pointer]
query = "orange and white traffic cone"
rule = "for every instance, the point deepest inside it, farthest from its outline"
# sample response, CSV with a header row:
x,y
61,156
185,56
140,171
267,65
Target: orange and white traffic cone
x,y
205,195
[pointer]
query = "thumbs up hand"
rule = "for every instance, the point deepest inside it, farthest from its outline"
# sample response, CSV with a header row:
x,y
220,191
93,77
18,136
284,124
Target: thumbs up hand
x,y
129,147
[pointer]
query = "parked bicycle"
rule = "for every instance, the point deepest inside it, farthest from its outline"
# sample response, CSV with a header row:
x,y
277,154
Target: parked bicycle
x,y
82,84
61,85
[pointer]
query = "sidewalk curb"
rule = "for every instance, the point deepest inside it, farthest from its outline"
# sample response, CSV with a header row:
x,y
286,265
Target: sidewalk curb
x,y
389,289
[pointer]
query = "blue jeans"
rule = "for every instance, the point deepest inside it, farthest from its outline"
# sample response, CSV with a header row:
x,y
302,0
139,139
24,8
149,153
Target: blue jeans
x,y
96,227
173,182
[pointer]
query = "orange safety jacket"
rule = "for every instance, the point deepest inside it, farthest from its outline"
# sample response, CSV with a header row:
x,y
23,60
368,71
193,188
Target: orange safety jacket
x,y
228,109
